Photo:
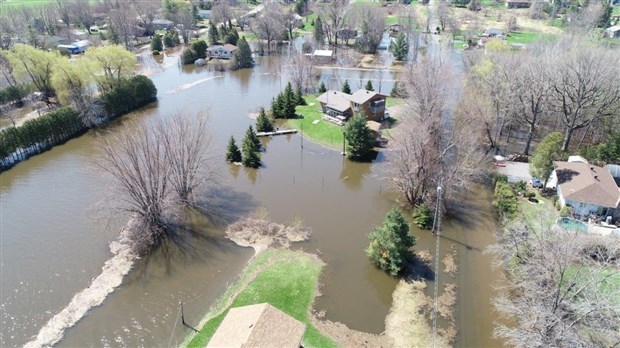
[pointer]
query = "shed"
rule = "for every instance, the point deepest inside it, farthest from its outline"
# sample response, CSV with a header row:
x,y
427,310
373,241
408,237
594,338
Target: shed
x,y
259,325
204,14
613,31
323,56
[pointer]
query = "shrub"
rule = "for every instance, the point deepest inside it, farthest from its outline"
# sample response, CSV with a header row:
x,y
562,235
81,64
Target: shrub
x,y
499,178
521,186
390,243
156,44
529,194
557,205
554,199
188,56
505,199
129,95
233,154
200,48
13,93
156,53
423,217
566,211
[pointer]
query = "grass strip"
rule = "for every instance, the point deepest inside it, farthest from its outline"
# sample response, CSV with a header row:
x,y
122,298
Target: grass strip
x,y
286,279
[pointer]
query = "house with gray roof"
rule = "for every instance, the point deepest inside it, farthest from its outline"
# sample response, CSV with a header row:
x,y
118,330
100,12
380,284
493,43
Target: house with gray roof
x,y
260,326
342,105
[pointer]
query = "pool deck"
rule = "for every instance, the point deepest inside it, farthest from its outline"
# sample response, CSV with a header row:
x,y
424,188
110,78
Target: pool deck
x,y
605,231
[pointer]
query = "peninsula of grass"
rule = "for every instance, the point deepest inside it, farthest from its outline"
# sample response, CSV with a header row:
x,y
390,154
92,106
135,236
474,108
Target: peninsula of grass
x,y
322,132
285,279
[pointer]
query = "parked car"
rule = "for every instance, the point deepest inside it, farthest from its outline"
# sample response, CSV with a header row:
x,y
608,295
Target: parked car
x,y
536,183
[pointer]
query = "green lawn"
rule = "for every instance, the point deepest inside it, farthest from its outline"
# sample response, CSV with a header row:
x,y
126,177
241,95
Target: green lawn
x,y
23,2
308,24
287,280
522,37
389,20
615,11
493,4
323,132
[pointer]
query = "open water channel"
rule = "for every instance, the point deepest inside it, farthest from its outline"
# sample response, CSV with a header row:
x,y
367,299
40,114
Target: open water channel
x,y
55,237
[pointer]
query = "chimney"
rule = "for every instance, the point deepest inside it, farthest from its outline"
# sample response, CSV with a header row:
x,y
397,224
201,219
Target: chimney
x,y
596,177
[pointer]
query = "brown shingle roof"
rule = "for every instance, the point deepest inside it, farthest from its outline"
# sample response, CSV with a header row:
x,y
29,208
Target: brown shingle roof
x,y
587,183
259,325
336,100
361,96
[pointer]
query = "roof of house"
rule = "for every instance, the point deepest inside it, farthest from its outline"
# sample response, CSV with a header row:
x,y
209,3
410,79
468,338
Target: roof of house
x,y
259,325
587,183
162,21
361,96
493,31
336,100
227,47
323,53
577,159
613,28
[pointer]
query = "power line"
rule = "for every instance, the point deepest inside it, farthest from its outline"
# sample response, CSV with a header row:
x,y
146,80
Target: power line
x,y
174,327
437,232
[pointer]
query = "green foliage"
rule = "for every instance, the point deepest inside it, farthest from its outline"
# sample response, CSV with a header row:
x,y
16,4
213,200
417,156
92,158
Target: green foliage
x,y
156,53
390,243
499,178
299,97
607,152
398,90
171,38
251,146
322,88
157,44
110,65
369,86
400,48
529,194
232,37
521,186
200,47
505,199
130,94
233,154
423,217
264,123
359,138
213,34
283,105
13,94
188,56
243,55
33,66
549,150
346,88
41,133
319,36
168,41
566,211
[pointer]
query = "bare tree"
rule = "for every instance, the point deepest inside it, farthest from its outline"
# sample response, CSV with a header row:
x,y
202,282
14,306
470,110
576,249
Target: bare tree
x,y
154,168
64,11
301,71
123,23
290,22
334,16
371,22
83,12
559,290
239,13
268,26
147,12
583,89
221,13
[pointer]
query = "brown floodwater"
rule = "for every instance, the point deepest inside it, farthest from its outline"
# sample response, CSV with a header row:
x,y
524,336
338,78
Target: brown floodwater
x,y
56,227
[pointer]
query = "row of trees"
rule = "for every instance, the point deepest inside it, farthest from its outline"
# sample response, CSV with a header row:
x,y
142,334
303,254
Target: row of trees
x,y
564,85
284,104
249,155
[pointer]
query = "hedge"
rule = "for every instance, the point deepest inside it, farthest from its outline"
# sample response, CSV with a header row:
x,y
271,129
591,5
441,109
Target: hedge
x,y
129,95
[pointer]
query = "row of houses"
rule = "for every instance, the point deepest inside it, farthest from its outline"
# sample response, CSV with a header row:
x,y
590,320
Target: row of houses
x,y
587,188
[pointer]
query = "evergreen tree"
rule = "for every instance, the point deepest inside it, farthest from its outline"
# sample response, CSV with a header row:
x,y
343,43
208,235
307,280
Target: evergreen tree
x,y
390,244
156,44
299,97
200,47
322,88
423,217
232,37
252,138
264,123
359,138
223,31
289,102
400,48
213,35
369,86
278,106
346,88
319,36
243,55
251,146
548,150
233,154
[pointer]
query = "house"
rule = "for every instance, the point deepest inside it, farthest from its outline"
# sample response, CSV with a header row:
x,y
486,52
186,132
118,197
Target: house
x,y
259,325
613,31
587,188
162,24
204,14
322,56
518,4
614,170
76,47
493,32
221,52
342,105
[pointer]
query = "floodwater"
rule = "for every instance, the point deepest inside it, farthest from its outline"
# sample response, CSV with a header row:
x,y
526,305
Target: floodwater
x,y
56,228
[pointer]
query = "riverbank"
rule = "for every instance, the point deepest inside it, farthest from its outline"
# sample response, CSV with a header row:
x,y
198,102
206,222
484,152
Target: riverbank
x,y
272,277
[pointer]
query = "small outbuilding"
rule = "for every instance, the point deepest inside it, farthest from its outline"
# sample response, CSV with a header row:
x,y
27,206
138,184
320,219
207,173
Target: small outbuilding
x,y
261,326
323,56
613,31
162,24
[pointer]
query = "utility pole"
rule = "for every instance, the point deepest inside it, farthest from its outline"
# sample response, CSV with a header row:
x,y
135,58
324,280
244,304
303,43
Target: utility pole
x,y
437,232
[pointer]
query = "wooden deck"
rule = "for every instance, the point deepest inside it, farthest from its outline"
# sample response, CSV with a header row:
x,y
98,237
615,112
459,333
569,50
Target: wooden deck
x,y
278,132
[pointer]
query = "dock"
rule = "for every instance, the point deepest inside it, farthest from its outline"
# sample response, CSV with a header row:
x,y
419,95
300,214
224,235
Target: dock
x,y
278,132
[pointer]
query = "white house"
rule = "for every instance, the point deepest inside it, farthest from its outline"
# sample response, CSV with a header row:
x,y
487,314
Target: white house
x,y
204,14
587,188
222,52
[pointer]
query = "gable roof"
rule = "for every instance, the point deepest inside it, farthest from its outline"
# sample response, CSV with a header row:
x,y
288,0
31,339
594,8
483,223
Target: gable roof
x,y
336,100
259,325
587,183
361,96
227,47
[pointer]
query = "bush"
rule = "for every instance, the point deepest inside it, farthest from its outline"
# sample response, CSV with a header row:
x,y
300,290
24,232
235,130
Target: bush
x,y
521,186
423,217
390,243
200,47
156,44
156,53
505,199
129,95
554,199
188,56
499,178
557,205
13,94
529,194
566,211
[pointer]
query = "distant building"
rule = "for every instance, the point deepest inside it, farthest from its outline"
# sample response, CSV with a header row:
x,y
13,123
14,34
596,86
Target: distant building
x,y
323,56
76,47
221,52
493,32
518,4
613,31
259,325
204,14
162,24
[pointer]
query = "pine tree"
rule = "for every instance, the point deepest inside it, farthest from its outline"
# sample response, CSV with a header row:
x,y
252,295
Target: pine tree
x,y
277,106
400,48
369,86
322,88
318,31
289,101
359,138
243,55
251,147
233,154
213,35
264,123
156,44
252,138
346,88
390,244
299,97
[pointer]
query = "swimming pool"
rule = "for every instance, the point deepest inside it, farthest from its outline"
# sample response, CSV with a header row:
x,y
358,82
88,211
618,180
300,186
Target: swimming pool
x,y
569,224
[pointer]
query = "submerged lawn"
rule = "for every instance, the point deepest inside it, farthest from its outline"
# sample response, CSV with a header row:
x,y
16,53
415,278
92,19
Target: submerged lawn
x,y
286,279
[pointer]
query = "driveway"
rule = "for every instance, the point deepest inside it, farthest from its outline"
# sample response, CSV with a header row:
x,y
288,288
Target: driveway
x,y
516,171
